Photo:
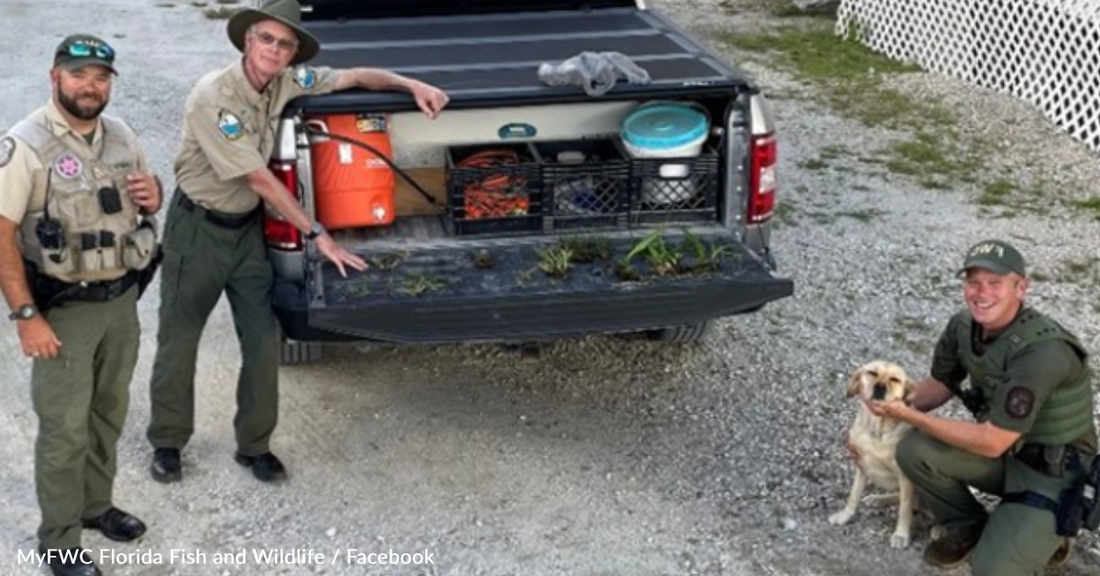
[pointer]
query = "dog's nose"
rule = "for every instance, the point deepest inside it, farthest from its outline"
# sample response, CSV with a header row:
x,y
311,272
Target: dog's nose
x,y
879,392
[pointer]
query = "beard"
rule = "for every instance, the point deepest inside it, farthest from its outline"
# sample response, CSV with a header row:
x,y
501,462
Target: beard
x,y
72,105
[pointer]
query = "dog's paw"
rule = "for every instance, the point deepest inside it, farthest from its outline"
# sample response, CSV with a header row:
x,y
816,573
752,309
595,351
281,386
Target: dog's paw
x,y
899,540
841,518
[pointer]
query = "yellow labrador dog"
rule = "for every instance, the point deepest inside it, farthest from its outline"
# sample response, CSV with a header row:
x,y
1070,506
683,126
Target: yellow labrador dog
x,y
876,439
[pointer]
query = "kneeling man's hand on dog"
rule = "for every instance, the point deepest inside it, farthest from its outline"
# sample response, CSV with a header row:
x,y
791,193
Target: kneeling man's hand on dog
x,y
895,409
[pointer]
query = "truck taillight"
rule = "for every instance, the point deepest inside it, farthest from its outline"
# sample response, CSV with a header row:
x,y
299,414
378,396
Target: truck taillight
x,y
762,179
277,231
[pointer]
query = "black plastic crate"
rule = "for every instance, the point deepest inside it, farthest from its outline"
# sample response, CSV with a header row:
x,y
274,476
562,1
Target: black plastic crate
x,y
674,189
494,189
586,183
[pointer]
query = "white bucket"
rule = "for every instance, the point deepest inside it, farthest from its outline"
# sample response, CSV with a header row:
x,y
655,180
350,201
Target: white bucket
x,y
666,130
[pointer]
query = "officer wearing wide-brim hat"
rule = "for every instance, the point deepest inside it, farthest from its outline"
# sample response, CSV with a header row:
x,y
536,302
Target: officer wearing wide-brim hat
x,y
213,238
74,253
285,11
1027,383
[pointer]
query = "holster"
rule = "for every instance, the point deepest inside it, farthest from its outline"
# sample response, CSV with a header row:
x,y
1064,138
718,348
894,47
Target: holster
x,y
41,299
1071,509
1080,503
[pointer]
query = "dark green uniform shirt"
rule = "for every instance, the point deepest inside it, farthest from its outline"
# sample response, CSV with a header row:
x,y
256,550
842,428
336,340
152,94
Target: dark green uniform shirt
x,y
1039,367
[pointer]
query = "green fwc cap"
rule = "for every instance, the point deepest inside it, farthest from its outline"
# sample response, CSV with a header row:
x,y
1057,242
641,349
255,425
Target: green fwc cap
x,y
997,256
80,50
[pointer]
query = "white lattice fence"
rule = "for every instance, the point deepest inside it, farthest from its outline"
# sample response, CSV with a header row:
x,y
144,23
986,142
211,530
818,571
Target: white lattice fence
x,y
1046,52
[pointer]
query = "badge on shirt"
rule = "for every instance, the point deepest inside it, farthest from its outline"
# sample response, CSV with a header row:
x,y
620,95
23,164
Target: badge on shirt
x,y
68,166
1019,402
230,125
305,77
7,149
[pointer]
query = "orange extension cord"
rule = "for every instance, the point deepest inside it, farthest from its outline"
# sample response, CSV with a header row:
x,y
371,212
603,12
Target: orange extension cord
x,y
498,194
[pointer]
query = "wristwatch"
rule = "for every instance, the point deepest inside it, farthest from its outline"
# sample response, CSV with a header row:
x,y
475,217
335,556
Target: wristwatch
x,y
315,230
24,312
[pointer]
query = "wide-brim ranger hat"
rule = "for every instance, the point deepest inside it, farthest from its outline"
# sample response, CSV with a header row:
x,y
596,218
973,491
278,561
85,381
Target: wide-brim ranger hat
x,y
288,12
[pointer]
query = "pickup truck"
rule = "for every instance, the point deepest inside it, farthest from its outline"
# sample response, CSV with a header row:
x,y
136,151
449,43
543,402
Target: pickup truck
x,y
579,234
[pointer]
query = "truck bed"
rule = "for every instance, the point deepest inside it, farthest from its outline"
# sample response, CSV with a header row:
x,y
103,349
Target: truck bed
x,y
456,278
491,57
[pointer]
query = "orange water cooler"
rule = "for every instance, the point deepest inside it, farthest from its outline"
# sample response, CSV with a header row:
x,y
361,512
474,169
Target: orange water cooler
x,y
352,186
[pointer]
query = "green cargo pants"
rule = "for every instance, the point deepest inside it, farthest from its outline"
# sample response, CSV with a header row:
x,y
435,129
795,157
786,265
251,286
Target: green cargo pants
x,y
1017,540
202,259
81,398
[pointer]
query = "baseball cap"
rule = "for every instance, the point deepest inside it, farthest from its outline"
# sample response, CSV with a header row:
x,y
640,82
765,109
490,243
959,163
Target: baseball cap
x,y
997,256
81,50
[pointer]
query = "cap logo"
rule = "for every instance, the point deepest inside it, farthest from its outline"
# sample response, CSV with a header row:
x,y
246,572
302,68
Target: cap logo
x,y
987,248
230,126
68,166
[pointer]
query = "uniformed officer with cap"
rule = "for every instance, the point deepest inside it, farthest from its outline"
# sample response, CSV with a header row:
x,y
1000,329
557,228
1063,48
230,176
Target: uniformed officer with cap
x,y
1026,380
213,236
75,245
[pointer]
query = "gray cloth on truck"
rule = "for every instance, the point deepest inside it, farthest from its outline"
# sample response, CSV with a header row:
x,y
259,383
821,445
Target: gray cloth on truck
x,y
596,72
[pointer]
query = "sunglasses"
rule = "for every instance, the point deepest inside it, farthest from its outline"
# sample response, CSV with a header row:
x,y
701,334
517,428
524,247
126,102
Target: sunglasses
x,y
267,40
82,49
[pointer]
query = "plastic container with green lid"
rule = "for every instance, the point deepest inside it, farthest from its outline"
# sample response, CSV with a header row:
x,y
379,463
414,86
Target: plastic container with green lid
x,y
665,130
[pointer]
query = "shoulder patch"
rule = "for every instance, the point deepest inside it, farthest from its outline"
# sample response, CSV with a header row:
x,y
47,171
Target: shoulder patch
x,y
230,126
305,77
1019,402
7,149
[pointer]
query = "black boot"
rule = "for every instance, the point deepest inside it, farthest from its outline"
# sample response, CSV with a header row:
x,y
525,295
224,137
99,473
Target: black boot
x,y
117,525
166,465
265,467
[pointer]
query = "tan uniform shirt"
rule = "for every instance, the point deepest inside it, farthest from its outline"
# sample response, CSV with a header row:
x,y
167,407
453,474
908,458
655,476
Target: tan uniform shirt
x,y
22,174
229,131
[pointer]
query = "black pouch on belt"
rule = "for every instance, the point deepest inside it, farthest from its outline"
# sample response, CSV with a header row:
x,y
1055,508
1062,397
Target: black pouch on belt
x,y
1091,497
1071,509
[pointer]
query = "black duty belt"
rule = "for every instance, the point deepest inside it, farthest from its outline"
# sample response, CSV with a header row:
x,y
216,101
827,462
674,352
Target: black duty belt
x,y
56,292
223,219
1033,499
1049,460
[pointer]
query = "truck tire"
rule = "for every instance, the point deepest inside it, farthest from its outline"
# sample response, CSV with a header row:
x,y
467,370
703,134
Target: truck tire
x,y
687,334
292,352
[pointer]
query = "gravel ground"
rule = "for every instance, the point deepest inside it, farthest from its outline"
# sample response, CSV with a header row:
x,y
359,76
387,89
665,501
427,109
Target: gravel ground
x,y
603,456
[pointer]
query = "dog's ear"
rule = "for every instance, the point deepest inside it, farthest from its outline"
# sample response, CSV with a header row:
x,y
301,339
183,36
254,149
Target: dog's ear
x,y
854,382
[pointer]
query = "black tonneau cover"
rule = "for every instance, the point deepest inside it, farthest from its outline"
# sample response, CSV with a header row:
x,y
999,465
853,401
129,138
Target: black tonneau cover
x,y
334,9
486,58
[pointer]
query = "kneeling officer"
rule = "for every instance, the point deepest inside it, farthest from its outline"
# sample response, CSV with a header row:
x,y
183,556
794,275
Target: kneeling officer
x,y
76,247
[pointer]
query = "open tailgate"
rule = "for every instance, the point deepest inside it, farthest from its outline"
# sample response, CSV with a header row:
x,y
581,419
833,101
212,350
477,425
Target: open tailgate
x,y
446,292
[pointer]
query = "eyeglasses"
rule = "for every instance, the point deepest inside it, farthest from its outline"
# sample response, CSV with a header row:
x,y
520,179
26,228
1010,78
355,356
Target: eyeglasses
x,y
268,39
82,49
